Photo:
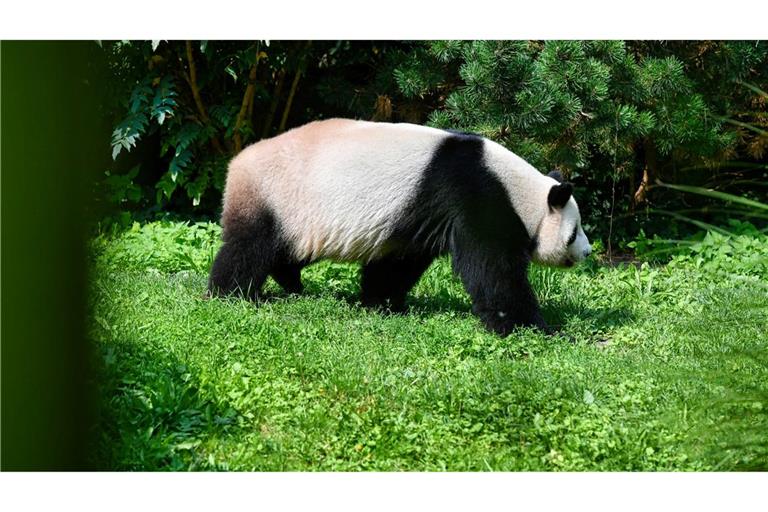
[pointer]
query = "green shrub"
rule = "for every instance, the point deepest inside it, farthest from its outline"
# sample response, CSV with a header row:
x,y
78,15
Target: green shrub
x,y
743,250
164,246
721,255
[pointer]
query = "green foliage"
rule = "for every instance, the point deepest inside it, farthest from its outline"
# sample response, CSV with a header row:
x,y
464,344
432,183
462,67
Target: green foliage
x,y
615,116
120,188
202,119
740,251
602,111
724,255
160,246
660,376
132,127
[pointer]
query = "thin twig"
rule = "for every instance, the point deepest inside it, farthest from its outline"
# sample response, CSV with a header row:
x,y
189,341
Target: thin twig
x,y
613,187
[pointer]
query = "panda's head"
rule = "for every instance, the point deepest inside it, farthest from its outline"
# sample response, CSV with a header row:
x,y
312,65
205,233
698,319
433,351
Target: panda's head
x,y
560,241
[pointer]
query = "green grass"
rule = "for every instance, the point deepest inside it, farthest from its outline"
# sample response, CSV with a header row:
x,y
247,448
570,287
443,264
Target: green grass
x,y
316,382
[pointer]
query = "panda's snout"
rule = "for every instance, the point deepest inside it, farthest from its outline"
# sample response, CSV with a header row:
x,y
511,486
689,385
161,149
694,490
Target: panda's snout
x,y
587,251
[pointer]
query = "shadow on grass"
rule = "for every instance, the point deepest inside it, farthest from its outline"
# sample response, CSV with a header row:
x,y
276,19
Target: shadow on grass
x,y
559,313
342,283
153,411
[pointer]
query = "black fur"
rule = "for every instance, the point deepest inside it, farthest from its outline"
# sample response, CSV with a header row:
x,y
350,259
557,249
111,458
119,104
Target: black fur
x,y
252,250
288,276
386,282
559,195
572,238
556,174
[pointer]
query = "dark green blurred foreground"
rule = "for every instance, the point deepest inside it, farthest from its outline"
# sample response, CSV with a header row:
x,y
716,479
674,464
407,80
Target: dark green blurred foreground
x,y
317,383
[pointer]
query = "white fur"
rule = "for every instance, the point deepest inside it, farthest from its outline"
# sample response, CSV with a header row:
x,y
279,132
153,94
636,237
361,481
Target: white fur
x,y
337,186
553,233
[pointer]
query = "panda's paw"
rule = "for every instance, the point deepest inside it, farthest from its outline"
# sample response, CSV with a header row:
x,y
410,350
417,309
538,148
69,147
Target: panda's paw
x,y
498,322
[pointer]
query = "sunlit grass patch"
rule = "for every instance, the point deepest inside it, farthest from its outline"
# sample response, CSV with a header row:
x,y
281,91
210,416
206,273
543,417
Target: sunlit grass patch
x,y
661,361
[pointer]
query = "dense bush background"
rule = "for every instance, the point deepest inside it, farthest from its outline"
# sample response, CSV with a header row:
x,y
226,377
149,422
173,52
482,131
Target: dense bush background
x,y
616,116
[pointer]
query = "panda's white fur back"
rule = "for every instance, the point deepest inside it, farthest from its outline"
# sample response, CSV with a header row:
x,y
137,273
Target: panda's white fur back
x,y
335,186
338,187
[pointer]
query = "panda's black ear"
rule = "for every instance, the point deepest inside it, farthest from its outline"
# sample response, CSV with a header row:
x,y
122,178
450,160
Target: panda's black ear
x,y
559,195
557,175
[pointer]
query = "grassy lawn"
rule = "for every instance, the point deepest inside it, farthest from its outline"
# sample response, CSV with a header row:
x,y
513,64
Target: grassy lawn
x,y
668,371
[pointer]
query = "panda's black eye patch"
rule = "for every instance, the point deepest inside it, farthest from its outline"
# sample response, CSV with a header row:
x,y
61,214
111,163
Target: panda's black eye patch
x,y
573,235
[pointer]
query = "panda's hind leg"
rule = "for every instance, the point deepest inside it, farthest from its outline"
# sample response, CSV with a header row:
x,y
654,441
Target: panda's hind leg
x,y
249,253
387,281
288,276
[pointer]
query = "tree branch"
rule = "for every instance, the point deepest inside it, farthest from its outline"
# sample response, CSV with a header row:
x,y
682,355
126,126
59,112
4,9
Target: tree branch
x,y
294,85
247,103
192,79
273,107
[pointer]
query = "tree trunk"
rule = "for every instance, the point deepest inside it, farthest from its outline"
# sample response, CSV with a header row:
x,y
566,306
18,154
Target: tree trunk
x,y
289,101
273,107
246,104
196,95
300,67
382,110
650,172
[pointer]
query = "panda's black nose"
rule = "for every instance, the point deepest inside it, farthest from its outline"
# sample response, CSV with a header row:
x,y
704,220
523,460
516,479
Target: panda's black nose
x,y
587,251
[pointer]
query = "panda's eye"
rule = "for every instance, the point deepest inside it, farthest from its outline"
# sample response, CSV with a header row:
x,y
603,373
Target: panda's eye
x,y
573,235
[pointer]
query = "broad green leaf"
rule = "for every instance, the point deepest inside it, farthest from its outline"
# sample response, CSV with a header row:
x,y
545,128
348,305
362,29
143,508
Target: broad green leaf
x,y
179,163
715,194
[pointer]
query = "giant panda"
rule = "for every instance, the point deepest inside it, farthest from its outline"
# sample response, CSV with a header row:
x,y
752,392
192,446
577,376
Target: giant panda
x,y
394,196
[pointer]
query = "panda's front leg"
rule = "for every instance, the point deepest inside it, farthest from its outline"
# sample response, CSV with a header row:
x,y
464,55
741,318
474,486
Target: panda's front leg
x,y
501,295
504,319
